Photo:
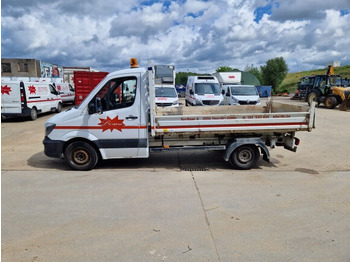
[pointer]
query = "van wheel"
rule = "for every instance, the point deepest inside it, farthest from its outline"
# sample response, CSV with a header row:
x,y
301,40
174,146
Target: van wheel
x,y
245,157
59,108
81,156
33,113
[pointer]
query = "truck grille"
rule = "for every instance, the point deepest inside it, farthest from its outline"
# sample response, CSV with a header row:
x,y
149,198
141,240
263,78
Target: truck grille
x,y
210,102
247,102
164,104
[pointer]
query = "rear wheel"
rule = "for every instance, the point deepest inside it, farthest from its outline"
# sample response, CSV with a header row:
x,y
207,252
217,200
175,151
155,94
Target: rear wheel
x,y
330,102
81,156
33,113
245,157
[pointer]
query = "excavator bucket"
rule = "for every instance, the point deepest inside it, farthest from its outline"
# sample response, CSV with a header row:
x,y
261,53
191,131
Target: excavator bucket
x,y
345,105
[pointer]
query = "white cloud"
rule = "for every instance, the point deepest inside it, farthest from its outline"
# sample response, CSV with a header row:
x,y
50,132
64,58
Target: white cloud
x,y
195,35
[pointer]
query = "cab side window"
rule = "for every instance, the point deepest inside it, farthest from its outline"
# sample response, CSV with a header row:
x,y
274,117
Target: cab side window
x,y
118,93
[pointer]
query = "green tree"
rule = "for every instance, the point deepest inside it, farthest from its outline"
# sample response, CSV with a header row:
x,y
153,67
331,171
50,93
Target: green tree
x,y
254,71
274,72
226,69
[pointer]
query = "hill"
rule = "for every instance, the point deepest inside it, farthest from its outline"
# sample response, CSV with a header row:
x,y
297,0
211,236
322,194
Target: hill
x,y
290,83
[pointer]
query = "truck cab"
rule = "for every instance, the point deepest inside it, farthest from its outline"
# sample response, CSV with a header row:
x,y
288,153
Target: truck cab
x,y
240,95
203,91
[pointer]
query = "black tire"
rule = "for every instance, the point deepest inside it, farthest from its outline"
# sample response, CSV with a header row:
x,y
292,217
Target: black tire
x,y
330,102
312,97
81,156
245,157
59,108
33,114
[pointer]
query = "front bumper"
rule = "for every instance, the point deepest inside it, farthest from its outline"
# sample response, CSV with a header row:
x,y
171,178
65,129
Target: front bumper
x,y
53,148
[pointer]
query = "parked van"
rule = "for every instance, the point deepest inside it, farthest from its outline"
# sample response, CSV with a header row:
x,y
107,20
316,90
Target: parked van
x,y
240,95
166,96
22,99
202,91
67,92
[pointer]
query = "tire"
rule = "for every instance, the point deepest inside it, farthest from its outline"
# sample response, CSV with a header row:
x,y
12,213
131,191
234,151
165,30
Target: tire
x,y
59,108
81,156
33,114
312,97
245,157
330,102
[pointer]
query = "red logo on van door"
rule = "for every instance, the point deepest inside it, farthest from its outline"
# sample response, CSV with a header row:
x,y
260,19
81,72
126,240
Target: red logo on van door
x,y
5,90
111,124
231,77
32,89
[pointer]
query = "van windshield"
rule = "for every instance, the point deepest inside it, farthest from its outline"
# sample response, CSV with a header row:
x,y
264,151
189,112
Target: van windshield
x,y
207,88
165,92
244,90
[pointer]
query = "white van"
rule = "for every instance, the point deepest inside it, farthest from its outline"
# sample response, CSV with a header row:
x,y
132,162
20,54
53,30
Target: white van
x,y
240,95
22,99
166,97
202,91
67,92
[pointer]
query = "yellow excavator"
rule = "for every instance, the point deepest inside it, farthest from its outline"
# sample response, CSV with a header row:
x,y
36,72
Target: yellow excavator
x,y
327,89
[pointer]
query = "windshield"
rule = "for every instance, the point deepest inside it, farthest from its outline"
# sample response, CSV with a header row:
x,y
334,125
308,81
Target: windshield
x,y
165,92
244,90
207,88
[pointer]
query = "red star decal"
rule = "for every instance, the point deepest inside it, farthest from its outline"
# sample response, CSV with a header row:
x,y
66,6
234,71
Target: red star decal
x,y
5,90
111,124
32,89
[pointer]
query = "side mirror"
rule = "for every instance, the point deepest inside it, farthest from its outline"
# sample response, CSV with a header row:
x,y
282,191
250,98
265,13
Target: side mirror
x,y
191,92
95,106
223,92
227,94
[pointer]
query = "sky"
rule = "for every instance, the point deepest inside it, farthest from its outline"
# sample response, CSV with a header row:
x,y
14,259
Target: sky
x,y
193,35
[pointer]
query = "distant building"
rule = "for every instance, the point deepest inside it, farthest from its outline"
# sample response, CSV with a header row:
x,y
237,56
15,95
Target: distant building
x,y
14,67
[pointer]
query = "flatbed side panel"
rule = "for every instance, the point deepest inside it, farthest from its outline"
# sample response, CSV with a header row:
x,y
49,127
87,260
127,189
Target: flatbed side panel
x,y
286,122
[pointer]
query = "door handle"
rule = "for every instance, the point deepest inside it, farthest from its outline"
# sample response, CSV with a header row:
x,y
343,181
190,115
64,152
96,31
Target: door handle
x,y
131,117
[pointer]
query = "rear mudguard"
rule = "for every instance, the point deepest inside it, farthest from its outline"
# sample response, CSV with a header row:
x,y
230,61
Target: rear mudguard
x,y
247,141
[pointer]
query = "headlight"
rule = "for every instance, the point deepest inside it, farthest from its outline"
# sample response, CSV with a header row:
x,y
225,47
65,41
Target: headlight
x,y
49,127
258,101
175,103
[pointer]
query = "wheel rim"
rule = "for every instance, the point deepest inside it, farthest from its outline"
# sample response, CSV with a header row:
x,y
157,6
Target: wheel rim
x,y
245,155
328,103
81,157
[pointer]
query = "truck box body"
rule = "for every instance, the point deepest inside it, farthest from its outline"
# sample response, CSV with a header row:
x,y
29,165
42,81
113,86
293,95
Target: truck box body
x,y
119,119
85,82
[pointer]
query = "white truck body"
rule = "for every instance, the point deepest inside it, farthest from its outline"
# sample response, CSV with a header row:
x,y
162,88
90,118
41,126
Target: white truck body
x,y
134,126
21,99
203,91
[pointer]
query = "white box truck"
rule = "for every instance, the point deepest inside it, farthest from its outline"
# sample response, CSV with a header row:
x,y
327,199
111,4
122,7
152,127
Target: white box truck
x,y
235,93
164,81
21,99
203,91
107,125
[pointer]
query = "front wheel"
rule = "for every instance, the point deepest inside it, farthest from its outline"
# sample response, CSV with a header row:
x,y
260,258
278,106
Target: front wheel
x,y
245,157
330,102
81,156
59,108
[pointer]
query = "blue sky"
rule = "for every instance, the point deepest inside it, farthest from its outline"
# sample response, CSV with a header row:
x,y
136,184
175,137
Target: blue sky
x,y
191,34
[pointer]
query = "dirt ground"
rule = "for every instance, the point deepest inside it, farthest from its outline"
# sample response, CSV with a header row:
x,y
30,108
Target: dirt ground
x,y
178,206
